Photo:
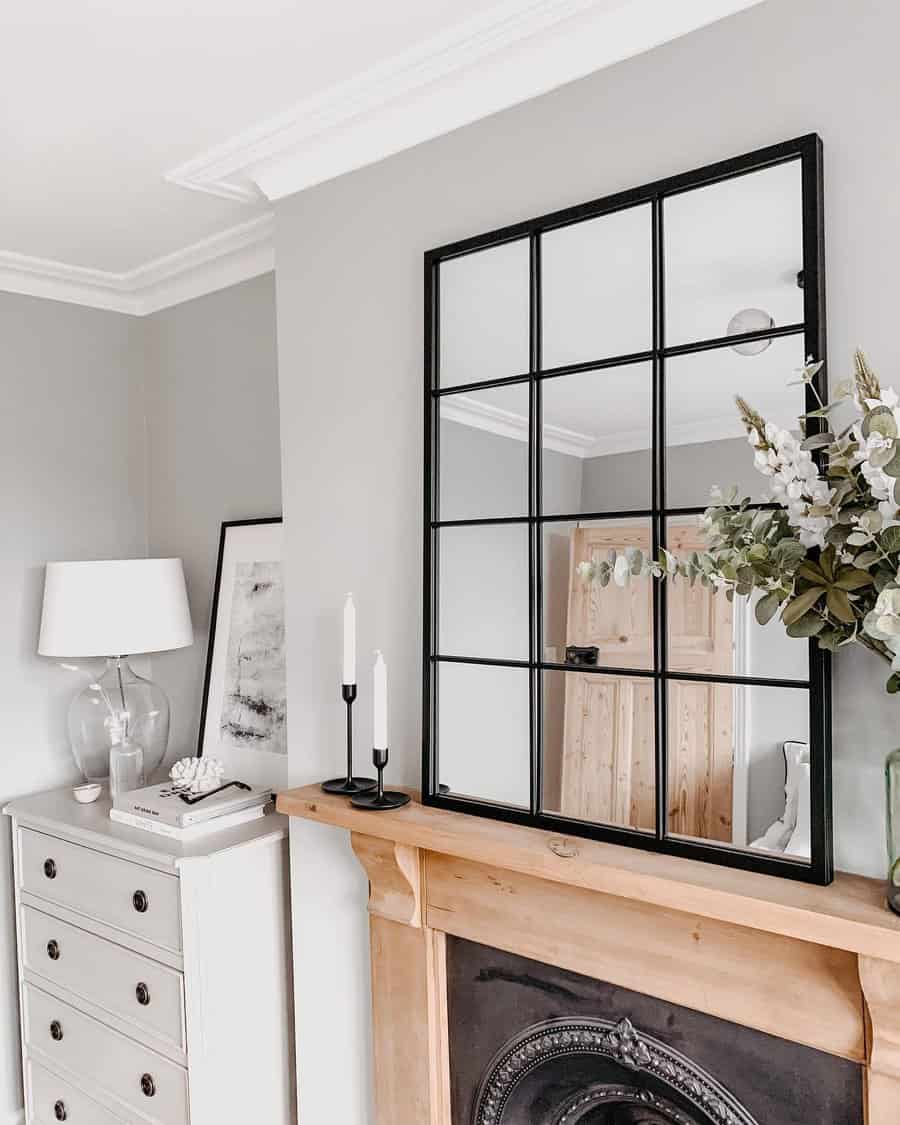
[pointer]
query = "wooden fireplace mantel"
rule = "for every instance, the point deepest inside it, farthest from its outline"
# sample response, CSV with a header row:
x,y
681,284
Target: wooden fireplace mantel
x,y
816,965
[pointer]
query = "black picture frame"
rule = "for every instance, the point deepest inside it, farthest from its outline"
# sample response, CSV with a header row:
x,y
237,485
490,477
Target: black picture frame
x,y
224,528
808,151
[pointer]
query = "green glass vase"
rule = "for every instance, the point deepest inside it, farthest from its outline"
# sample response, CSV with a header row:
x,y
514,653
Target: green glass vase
x,y
892,770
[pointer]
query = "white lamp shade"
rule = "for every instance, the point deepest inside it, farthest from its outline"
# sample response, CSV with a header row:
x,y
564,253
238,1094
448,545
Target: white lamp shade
x,y
114,608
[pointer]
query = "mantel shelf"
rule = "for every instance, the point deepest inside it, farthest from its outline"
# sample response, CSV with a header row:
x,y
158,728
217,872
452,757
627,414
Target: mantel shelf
x,y
851,914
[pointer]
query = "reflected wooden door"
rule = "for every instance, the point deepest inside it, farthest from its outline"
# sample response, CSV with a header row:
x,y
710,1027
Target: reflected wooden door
x,y
608,756
701,720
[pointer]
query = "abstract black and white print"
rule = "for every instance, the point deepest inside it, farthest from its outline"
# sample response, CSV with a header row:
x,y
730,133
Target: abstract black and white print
x,y
254,698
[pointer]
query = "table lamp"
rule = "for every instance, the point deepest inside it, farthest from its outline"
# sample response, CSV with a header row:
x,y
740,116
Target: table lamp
x,y
115,609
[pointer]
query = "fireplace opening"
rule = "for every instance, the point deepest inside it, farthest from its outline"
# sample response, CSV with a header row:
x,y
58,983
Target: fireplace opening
x,y
531,1044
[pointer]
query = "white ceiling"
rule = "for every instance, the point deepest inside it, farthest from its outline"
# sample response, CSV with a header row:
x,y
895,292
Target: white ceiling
x,y
111,111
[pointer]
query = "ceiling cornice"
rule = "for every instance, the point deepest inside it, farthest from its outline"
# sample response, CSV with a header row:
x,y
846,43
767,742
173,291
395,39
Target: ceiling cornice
x,y
501,57
224,259
513,51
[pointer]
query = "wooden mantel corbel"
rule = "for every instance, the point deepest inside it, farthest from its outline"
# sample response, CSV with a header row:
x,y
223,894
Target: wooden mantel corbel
x,y
881,988
817,965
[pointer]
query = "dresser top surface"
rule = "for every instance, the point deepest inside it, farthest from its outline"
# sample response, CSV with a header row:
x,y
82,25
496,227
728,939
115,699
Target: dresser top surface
x,y
59,814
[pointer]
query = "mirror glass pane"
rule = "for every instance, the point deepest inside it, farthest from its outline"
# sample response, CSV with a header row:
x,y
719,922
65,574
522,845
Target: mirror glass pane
x,y
485,314
733,251
587,623
738,768
706,443
483,591
484,453
711,636
596,288
483,732
596,440
599,748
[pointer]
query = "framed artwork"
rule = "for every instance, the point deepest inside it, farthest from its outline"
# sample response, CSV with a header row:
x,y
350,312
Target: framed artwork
x,y
243,720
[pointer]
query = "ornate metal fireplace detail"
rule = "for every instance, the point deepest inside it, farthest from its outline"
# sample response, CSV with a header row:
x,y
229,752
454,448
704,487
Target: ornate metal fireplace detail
x,y
669,1089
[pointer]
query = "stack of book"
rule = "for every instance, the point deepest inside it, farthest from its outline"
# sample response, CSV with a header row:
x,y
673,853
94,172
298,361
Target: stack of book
x,y
162,810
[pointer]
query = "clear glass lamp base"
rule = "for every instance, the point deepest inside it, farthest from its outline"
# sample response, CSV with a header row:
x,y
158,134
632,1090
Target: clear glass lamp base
x,y
95,717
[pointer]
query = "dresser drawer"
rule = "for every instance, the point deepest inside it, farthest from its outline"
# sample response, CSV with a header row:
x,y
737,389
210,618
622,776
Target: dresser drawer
x,y
53,1099
133,898
151,1086
145,993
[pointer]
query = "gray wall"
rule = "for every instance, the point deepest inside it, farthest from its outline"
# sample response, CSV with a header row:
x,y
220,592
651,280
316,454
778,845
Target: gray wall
x,y
213,453
350,347
118,437
72,483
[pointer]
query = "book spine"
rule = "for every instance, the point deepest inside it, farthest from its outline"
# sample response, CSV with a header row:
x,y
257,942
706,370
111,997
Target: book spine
x,y
201,814
168,816
134,820
196,831
221,823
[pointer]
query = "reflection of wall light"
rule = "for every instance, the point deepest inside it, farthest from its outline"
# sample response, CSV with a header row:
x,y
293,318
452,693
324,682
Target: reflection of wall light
x,y
750,320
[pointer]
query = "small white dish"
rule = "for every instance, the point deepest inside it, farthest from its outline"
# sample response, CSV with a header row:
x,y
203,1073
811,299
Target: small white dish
x,y
86,794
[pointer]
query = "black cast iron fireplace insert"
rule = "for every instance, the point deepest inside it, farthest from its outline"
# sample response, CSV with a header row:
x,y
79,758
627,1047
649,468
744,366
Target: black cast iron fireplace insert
x,y
531,1044
636,1078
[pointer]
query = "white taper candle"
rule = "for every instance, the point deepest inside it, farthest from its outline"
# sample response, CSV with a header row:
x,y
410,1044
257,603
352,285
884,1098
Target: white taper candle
x,y
379,694
349,641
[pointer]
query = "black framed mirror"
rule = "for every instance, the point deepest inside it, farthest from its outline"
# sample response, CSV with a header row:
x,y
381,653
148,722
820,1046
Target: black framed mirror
x,y
580,372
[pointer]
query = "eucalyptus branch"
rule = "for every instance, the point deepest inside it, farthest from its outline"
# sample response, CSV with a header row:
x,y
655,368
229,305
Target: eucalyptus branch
x,y
827,561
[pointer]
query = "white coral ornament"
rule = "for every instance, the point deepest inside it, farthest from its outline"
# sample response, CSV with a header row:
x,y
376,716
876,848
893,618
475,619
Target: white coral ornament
x,y
198,775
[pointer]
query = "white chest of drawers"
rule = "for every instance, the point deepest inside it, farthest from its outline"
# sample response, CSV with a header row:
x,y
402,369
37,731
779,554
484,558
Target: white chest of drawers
x,y
154,977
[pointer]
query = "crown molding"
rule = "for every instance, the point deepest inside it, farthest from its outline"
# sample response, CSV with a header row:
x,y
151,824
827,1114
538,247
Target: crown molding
x,y
513,51
223,259
234,255
479,415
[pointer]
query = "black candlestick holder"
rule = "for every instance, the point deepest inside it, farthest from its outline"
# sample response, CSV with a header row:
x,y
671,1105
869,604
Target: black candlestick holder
x,y
377,799
349,785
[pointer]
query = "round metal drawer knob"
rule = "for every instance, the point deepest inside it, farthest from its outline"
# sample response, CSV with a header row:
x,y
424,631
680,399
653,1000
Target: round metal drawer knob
x,y
56,1031
140,901
50,868
142,992
148,1086
53,950
59,1111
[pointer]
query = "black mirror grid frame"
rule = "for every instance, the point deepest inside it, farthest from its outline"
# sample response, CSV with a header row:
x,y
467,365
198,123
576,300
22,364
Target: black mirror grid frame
x,y
808,151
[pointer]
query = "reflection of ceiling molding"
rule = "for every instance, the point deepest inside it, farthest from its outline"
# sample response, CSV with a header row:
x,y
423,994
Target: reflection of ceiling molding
x,y
234,255
478,415
513,51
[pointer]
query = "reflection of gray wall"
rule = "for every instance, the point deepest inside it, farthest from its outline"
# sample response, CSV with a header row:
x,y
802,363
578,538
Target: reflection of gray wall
x,y
484,598
774,716
483,474
622,480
